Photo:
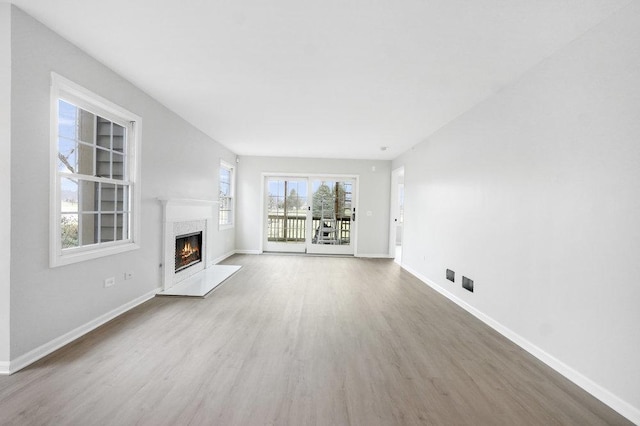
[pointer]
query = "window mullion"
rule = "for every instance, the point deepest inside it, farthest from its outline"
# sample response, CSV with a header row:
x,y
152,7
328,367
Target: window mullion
x,y
80,203
94,178
94,145
99,214
115,213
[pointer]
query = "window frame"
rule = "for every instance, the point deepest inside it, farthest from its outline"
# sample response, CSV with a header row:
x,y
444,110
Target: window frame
x,y
68,91
232,185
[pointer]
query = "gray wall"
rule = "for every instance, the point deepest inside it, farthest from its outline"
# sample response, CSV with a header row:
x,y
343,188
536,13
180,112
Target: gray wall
x,y
535,194
374,187
177,161
5,181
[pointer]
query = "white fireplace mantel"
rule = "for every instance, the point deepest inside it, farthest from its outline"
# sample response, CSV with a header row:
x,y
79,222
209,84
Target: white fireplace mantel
x,y
187,215
181,209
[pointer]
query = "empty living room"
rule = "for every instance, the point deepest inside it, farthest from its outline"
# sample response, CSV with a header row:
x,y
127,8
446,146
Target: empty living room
x,y
329,213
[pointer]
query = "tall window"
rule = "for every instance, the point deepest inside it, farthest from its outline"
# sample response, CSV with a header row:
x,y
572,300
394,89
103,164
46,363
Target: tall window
x,y
94,160
226,190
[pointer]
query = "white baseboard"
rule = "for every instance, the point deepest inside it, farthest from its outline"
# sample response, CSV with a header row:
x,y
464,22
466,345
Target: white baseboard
x,y
374,256
4,368
221,258
367,255
621,406
247,252
44,350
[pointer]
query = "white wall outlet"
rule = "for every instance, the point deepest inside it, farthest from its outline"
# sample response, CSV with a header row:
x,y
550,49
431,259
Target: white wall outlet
x,y
109,282
128,275
369,213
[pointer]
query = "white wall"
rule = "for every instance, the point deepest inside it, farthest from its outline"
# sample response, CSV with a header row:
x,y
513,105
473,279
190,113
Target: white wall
x,y
5,182
535,195
177,161
374,187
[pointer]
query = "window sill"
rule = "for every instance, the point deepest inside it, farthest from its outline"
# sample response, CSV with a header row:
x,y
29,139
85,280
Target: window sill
x,y
81,255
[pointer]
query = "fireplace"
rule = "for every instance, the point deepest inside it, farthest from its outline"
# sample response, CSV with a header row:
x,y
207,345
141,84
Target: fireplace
x,y
188,250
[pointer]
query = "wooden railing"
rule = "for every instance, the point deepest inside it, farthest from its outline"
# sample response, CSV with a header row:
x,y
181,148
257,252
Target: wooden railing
x,y
294,228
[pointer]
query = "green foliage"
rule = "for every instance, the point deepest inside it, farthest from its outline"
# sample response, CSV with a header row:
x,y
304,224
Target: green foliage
x,y
324,200
69,231
293,201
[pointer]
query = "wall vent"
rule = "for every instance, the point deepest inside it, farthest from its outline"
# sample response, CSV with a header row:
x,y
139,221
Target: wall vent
x,y
451,275
467,284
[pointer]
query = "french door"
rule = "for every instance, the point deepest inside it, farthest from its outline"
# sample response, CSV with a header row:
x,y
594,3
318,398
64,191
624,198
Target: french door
x,y
310,214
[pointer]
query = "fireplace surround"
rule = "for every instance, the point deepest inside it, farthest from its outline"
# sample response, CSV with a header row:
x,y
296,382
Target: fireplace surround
x,y
185,218
190,223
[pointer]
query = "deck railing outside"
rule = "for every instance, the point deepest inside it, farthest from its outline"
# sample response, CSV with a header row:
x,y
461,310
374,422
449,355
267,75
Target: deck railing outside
x,y
293,228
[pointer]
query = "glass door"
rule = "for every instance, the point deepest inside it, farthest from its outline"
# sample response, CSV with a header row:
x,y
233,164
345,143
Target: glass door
x,y
332,216
287,208
309,215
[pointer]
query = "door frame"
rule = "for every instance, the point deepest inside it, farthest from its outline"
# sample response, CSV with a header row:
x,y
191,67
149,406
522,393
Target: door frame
x,y
309,176
394,211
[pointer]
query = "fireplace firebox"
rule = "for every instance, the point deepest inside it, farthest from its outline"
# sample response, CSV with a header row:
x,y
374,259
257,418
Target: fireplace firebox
x,y
188,250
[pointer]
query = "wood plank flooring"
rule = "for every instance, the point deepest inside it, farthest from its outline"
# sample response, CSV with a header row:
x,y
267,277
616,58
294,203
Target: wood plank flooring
x,y
297,340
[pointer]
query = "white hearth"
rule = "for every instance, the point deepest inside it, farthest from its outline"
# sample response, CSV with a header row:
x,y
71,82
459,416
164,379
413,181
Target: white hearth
x,y
187,216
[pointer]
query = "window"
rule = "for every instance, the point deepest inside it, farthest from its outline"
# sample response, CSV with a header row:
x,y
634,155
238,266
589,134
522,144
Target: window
x,y
226,184
95,199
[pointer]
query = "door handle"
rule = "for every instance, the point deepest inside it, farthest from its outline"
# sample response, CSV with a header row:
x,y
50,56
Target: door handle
x,y
353,215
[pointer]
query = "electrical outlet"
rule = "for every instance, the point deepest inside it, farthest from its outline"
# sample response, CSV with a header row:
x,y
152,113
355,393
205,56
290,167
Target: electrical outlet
x,y
128,275
451,275
467,284
109,282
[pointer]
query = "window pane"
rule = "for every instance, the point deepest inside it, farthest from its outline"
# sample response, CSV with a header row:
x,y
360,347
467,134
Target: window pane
x,y
119,134
125,226
85,159
103,163
67,119
69,230
117,166
68,195
67,155
224,190
108,197
88,226
224,217
119,226
107,227
86,126
224,204
123,198
88,196
225,175
103,135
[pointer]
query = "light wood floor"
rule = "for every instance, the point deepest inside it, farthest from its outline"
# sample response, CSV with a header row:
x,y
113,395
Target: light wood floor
x,y
300,341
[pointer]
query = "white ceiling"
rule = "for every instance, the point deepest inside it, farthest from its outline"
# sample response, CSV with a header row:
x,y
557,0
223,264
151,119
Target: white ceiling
x,y
330,78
